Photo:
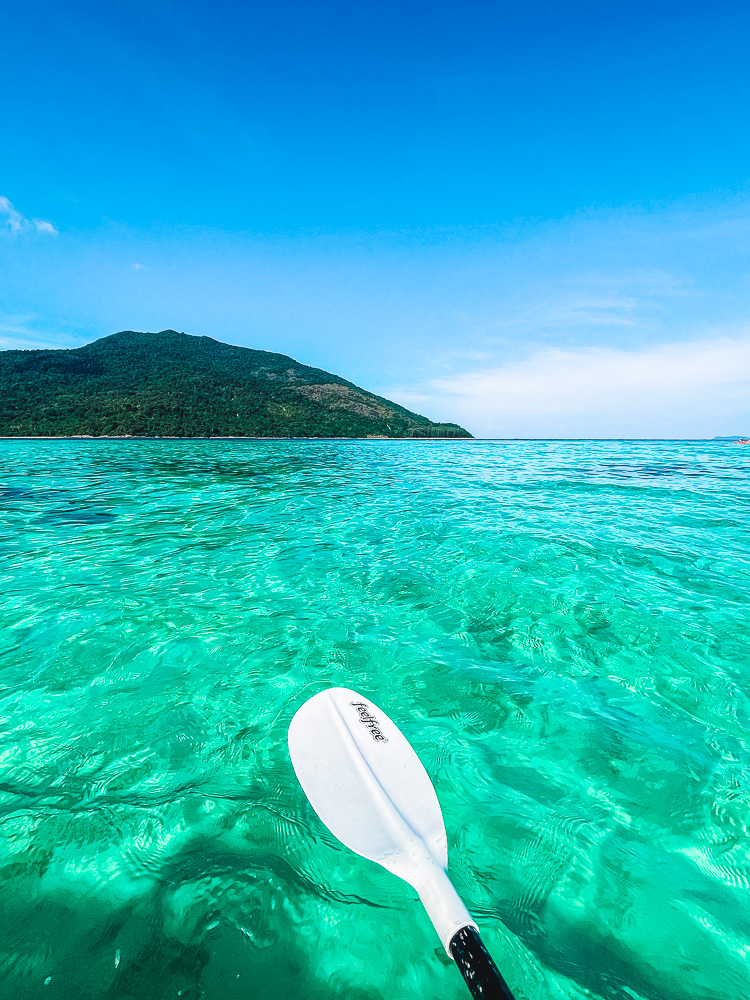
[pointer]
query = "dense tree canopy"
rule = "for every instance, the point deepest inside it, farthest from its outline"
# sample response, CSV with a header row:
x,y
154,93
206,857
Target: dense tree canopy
x,y
169,384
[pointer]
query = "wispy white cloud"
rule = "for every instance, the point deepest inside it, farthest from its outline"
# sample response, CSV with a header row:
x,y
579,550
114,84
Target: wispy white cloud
x,y
19,333
582,306
698,388
16,222
13,219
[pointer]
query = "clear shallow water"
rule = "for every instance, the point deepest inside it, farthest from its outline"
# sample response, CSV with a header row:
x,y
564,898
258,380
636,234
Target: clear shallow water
x,y
561,630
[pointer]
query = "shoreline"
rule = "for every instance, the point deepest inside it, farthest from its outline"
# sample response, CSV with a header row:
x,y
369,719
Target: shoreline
x,y
216,437
374,437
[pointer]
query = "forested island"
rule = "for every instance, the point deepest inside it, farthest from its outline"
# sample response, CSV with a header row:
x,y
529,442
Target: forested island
x,y
171,384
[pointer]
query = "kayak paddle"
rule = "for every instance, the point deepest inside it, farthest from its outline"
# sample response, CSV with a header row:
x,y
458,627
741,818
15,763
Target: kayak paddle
x,y
370,789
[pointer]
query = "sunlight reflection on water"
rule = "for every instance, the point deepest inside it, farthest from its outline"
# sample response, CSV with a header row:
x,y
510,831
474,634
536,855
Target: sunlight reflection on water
x,y
560,628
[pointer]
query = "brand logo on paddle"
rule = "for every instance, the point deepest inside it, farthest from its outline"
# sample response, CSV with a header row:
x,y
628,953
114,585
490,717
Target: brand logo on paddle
x,y
369,720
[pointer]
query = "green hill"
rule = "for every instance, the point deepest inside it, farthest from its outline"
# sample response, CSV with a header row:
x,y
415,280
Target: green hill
x,y
169,384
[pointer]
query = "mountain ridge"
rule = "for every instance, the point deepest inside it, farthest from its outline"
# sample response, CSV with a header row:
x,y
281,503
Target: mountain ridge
x,y
170,384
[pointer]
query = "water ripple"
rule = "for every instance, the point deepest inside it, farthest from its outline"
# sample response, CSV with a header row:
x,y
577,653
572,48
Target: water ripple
x,y
560,627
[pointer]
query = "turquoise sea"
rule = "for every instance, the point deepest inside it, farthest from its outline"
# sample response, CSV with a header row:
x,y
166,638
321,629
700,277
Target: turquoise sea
x,y
560,629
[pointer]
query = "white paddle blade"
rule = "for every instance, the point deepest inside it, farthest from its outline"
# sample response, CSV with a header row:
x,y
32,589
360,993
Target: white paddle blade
x,y
370,789
364,780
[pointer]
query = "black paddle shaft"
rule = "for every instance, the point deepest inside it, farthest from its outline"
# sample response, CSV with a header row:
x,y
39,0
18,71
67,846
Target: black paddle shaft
x,y
477,967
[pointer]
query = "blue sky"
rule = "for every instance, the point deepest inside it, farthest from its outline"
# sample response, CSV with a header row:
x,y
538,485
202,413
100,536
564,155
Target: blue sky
x,y
535,221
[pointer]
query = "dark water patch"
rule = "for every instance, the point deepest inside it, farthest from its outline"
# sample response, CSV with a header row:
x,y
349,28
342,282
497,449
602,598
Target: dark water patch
x,y
643,470
81,515
29,494
15,492
657,470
